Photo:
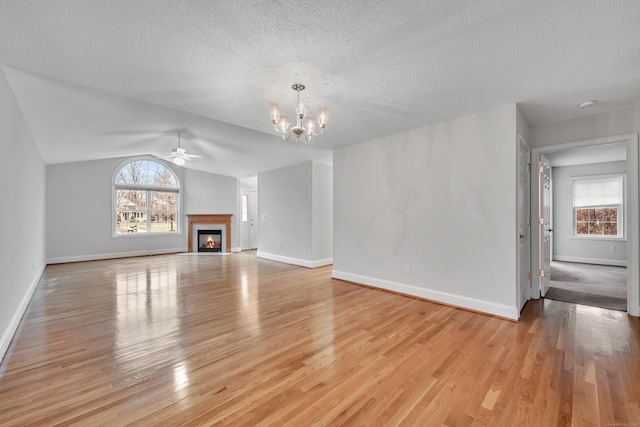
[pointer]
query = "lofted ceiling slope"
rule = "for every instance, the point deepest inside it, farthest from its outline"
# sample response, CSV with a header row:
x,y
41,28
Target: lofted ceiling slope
x,y
112,78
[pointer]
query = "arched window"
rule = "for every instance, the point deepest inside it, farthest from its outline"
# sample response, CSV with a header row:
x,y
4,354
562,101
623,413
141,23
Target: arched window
x,y
146,198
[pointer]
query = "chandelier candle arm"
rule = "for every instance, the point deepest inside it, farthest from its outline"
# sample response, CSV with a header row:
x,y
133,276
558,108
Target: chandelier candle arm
x,y
304,124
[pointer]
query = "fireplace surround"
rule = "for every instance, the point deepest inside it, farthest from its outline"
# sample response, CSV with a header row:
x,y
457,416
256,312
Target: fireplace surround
x,y
220,222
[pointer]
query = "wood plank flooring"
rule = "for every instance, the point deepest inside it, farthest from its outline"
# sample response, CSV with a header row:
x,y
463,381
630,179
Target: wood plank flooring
x,y
238,341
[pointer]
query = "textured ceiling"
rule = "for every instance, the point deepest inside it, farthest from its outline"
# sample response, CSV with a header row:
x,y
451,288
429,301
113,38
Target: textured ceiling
x,y
110,78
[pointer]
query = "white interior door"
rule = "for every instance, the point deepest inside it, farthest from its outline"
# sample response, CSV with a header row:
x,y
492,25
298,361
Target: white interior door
x,y
253,219
524,225
545,225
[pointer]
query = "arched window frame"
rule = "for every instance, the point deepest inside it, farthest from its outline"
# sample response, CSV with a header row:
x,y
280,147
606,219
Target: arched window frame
x,y
145,227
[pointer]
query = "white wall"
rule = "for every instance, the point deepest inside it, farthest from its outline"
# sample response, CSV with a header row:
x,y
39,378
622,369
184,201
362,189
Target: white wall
x,y
522,127
79,211
322,191
620,122
289,205
22,215
206,193
440,202
285,209
568,248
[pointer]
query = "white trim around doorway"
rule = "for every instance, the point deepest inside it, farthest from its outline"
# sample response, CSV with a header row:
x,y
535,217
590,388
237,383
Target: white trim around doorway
x,y
632,223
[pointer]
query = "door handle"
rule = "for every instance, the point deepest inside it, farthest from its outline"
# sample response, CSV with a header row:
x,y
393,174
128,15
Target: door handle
x,y
523,236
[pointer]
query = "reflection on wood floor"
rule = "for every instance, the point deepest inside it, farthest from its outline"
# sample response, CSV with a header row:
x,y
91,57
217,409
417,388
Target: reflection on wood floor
x,y
235,340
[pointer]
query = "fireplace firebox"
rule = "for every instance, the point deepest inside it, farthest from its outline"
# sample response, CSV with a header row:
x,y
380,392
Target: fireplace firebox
x,y
209,240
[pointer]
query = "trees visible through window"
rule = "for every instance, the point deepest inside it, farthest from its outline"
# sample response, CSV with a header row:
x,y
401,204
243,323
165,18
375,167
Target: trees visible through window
x,y
146,198
597,221
597,206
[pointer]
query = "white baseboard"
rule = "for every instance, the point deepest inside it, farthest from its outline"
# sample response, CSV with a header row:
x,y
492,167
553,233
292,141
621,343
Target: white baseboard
x,y
96,257
618,263
295,261
236,249
488,307
9,333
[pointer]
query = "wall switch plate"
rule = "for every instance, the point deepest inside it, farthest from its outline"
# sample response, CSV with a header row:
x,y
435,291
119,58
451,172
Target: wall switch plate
x,y
407,269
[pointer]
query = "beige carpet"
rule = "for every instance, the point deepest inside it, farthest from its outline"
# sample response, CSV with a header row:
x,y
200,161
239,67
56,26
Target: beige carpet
x,y
595,285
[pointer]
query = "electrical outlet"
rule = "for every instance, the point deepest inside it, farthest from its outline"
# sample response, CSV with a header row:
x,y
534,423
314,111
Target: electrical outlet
x,y
407,269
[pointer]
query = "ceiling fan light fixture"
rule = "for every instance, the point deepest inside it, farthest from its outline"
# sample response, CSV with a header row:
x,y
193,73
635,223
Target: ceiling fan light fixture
x,y
179,161
304,124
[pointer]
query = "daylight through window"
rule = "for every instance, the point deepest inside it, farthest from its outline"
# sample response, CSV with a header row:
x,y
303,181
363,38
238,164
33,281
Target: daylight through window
x,y
597,206
146,198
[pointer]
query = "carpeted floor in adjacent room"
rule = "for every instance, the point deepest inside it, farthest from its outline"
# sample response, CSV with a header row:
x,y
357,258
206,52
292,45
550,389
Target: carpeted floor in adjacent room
x,y
602,286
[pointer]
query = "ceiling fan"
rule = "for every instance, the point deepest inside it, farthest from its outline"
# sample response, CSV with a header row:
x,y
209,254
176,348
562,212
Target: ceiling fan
x,y
179,155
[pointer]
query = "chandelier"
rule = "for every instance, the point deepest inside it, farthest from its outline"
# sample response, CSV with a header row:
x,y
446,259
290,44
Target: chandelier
x,y
305,124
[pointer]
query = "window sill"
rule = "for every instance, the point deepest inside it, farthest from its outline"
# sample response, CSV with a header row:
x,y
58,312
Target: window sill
x,y
145,234
600,239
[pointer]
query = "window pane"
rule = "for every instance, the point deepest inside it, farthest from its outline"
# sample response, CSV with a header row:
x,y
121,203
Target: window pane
x,y
131,210
146,172
133,173
163,221
596,214
595,228
163,177
245,208
611,229
582,227
611,214
582,214
163,211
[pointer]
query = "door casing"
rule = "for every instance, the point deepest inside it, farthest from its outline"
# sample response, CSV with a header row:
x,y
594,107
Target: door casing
x,y
632,219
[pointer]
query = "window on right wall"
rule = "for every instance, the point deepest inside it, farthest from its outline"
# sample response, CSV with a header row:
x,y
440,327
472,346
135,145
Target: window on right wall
x,y
598,206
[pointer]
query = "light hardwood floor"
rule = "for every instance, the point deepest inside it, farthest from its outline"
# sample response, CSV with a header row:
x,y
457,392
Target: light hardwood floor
x,y
234,340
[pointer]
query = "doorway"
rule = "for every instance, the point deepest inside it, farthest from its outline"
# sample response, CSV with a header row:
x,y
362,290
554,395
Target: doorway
x,y
249,213
598,147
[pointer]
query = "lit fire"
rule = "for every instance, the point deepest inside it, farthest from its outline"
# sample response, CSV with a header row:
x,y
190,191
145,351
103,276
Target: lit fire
x,y
211,244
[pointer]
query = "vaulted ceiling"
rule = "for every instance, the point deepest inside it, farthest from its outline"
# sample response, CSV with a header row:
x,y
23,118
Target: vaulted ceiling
x,y
109,78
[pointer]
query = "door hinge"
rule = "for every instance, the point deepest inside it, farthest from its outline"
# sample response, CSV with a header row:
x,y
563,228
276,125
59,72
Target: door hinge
x,y
528,221
541,169
528,275
541,221
528,167
541,273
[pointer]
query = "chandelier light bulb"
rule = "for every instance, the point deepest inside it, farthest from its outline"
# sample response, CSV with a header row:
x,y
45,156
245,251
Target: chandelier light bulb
x,y
303,125
274,111
283,123
323,113
310,124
